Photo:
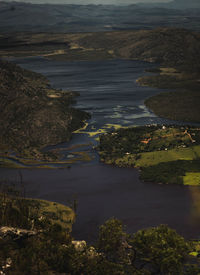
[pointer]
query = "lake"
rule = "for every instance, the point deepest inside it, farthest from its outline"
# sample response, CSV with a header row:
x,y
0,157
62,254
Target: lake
x,y
109,91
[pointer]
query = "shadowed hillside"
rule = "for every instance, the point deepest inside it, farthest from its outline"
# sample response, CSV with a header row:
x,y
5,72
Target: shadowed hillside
x,y
33,115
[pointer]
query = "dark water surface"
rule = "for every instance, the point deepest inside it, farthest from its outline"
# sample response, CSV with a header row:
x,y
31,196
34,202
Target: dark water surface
x,y
108,90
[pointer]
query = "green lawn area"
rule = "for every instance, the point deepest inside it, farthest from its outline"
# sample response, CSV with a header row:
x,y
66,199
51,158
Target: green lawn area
x,y
156,157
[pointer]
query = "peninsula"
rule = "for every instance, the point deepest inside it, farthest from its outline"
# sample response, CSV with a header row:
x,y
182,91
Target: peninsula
x,y
164,154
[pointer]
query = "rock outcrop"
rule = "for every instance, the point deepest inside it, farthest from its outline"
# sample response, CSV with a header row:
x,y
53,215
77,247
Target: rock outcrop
x,y
15,234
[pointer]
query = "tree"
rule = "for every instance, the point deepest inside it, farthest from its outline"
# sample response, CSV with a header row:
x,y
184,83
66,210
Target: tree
x,y
161,250
112,241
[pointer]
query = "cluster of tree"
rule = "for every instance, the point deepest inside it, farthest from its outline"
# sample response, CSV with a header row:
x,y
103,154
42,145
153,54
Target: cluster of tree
x,y
158,250
51,249
171,172
122,147
124,140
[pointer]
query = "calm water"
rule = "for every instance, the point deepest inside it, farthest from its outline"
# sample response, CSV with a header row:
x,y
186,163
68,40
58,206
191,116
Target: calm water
x,y
108,90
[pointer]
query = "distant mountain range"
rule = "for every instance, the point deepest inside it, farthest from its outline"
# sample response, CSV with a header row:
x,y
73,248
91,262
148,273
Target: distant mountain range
x,y
176,4
86,2
17,17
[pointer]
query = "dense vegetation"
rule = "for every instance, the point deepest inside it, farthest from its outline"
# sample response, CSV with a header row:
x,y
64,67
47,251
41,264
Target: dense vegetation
x,y
34,241
166,154
33,115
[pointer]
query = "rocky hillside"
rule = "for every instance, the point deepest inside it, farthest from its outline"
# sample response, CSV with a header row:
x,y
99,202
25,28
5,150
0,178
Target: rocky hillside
x,y
169,46
33,115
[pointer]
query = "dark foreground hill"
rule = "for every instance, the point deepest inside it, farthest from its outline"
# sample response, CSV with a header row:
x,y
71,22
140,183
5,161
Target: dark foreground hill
x,y
33,115
36,238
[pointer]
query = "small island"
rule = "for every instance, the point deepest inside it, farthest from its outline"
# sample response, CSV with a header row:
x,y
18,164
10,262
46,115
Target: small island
x,y
164,154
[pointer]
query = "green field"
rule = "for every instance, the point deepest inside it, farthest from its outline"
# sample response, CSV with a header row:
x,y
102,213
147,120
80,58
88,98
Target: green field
x,y
156,157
